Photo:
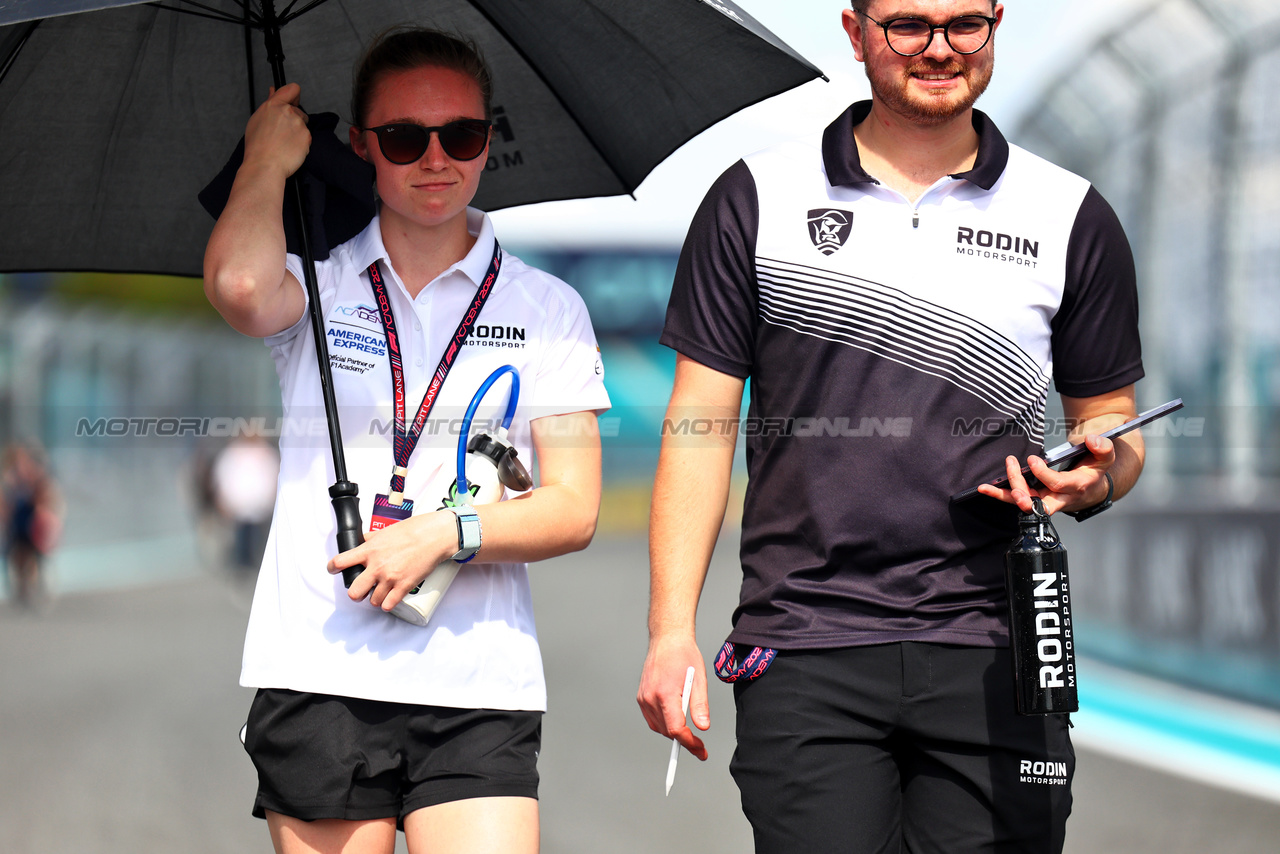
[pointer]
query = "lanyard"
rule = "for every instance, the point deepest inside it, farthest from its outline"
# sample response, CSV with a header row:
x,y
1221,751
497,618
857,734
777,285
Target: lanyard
x,y
404,441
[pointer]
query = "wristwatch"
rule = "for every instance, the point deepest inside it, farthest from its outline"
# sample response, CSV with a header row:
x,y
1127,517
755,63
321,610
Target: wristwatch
x,y
468,532
1090,512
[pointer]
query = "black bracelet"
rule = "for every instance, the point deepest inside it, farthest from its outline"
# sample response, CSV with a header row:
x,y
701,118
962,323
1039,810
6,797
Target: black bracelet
x,y
1105,504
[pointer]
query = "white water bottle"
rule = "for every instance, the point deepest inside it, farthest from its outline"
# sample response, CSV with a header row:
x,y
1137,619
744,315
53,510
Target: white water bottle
x,y
484,487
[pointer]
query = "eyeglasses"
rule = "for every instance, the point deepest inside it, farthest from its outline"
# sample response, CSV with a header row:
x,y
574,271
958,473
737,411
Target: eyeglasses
x,y
912,36
403,142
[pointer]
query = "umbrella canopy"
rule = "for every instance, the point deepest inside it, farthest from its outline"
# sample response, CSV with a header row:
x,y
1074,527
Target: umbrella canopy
x,y
112,120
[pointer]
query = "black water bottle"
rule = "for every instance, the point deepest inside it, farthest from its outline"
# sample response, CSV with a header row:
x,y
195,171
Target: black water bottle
x,y
1041,633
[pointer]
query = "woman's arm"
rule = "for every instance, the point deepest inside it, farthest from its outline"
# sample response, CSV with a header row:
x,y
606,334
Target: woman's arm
x,y
244,264
557,517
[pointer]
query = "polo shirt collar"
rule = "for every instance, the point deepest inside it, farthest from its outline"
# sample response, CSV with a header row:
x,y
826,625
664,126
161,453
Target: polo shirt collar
x,y
367,247
475,264
844,166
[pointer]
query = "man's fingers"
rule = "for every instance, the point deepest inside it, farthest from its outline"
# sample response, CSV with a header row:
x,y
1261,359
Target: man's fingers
x,y
673,720
1101,447
690,742
1054,481
1005,495
1019,492
699,705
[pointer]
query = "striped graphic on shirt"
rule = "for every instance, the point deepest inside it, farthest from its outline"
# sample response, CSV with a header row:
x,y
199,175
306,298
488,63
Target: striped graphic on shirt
x,y
907,330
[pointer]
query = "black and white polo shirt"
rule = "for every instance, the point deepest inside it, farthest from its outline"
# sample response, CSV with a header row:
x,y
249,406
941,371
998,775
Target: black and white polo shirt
x,y
897,352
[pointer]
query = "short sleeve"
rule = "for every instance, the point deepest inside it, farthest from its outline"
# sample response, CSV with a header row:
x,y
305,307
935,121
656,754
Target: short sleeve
x,y
570,370
293,264
1096,347
712,315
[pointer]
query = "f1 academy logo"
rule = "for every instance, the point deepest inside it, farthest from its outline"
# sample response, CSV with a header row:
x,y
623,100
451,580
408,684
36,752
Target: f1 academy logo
x,y
367,313
829,228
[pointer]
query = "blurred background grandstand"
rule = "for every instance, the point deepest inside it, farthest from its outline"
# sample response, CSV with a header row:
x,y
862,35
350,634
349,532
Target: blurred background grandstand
x,y
1173,115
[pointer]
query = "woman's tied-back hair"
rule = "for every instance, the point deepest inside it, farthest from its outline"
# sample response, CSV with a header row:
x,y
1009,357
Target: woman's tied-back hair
x,y
404,48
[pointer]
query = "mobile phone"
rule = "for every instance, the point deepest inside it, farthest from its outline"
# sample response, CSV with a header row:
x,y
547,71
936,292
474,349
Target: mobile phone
x,y
1067,452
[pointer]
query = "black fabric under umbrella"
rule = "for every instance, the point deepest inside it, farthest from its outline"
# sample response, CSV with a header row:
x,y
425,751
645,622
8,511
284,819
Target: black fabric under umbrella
x,y
114,113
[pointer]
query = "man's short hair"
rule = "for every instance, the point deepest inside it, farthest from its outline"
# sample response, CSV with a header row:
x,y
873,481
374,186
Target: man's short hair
x,y
860,6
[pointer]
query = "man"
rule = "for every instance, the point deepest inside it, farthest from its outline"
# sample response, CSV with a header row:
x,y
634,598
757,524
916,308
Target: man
x,y
901,291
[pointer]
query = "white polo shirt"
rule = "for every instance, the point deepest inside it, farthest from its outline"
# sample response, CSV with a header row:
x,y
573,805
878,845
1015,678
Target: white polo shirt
x,y
480,649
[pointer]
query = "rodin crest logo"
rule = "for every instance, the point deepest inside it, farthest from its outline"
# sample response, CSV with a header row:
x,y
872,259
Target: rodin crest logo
x,y
829,228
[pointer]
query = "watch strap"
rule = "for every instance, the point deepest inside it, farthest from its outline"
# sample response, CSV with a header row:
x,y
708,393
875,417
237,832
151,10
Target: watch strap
x,y
469,532
1105,504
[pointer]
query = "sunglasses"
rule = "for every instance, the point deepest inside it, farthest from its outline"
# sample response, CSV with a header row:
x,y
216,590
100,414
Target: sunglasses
x,y
403,143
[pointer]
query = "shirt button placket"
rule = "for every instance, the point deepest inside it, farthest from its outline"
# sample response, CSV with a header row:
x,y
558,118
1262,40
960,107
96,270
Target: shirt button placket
x,y
423,339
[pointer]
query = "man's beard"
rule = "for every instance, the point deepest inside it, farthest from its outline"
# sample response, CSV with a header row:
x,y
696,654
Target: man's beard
x,y
893,91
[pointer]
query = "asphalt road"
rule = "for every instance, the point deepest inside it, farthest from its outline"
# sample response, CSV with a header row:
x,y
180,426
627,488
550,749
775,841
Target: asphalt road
x,y
119,712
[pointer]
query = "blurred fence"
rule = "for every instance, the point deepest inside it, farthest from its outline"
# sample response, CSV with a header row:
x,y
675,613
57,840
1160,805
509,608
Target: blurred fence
x,y
65,368
1173,115
131,406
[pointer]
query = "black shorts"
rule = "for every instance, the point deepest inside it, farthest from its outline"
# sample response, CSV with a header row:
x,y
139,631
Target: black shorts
x,y
320,756
899,747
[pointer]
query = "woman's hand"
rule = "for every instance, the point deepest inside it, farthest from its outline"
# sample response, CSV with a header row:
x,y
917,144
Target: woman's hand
x,y
277,136
397,558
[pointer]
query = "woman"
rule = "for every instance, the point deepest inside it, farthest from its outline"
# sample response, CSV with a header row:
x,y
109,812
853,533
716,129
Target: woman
x,y
362,721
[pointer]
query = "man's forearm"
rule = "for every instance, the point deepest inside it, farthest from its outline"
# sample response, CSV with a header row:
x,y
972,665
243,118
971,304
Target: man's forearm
x,y
690,492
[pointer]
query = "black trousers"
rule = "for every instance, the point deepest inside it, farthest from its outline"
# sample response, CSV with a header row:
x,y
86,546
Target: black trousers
x,y
905,747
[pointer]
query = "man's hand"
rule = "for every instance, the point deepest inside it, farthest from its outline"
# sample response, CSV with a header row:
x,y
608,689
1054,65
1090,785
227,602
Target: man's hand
x,y
684,523
1084,485
1077,489
661,684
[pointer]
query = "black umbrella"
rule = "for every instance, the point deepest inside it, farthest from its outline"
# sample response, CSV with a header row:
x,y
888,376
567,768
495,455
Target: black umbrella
x,y
114,113
112,120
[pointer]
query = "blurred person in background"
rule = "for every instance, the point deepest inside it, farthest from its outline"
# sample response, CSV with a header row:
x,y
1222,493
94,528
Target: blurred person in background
x,y
243,481
886,285
32,518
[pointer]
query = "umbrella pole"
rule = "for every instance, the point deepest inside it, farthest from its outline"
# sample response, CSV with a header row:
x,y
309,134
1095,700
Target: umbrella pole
x,y
343,493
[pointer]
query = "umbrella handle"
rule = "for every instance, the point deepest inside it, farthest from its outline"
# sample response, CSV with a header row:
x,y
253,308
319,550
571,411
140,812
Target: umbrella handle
x,y
344,494
346,507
